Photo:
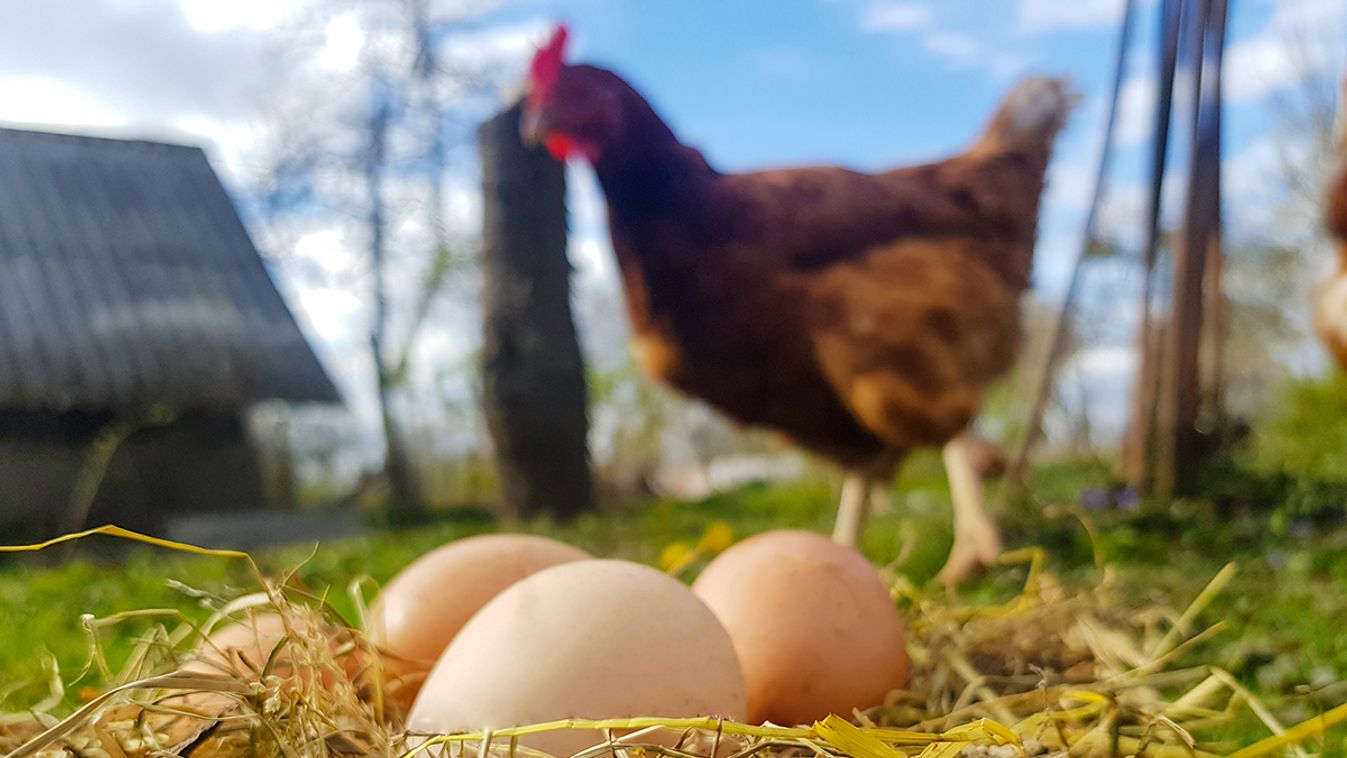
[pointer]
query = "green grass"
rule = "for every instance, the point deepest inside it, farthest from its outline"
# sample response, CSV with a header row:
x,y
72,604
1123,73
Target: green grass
x,y
1286,610
41,606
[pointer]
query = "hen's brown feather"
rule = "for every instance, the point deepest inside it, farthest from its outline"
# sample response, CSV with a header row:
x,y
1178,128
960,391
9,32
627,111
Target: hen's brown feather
x,y
856,313
909,335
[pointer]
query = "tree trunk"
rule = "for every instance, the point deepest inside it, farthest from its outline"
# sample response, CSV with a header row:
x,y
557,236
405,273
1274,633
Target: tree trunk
x,y
533,376
1216,321
1137,445
406,500
1139,442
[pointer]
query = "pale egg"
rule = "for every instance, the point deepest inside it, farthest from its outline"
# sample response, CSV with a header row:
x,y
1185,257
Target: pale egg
x,y
242,648
421,609
315,655
246,650
813,625
594,639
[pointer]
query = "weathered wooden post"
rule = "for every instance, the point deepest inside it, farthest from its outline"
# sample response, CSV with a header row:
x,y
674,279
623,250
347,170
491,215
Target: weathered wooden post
x,y
1164,445
533,375
1181,379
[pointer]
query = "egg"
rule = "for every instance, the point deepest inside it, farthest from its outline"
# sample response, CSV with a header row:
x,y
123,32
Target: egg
x,y
427,603
593,639
812,622
242,648
246,648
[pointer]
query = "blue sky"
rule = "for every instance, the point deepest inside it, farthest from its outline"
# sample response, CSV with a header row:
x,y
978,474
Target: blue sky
x,y
863,85
869,83
759,83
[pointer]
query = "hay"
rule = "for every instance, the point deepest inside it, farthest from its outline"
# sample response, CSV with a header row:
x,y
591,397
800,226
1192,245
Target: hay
x,y
1056,670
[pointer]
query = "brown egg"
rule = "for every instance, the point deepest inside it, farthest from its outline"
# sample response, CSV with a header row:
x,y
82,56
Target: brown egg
x,y
246,648
594,639
318,660
241,648
428,602
812,622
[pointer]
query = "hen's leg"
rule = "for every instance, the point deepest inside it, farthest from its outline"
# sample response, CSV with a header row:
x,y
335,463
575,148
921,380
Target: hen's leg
x,y
977,542
853,508
881,503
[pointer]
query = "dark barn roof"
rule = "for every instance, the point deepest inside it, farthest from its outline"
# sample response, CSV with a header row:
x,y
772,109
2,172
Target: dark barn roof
x,y
128,280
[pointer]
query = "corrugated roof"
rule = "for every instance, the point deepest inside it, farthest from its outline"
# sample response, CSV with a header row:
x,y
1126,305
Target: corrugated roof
x,y
127,279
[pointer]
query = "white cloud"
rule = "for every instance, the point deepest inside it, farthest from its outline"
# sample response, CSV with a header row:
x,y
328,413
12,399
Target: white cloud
x,y
513,43
1258,66
587,202
597,296
1256,181
343,41
463,199
1106,360
143,56
1136,110
1137,101
328,250
592,257
331,314
948,42
1054,258
223,15
228,142
896,16
1249,173
1303,38
953,46
1122,212
1095,381
49,101
964,52
1051,15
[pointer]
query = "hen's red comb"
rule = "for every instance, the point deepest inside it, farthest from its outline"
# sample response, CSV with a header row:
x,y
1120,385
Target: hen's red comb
x,y
547,62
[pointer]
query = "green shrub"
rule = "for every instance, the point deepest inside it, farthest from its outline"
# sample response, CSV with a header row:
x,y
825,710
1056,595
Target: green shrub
x,y
1306,434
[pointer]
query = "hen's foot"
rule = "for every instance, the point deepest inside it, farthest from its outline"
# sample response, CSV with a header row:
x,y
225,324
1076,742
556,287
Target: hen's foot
x,y
976,546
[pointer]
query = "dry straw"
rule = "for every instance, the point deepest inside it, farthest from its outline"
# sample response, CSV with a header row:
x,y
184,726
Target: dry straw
x,y
1054,671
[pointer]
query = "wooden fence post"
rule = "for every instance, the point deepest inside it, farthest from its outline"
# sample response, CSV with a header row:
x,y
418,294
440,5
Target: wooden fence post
x,y
533,384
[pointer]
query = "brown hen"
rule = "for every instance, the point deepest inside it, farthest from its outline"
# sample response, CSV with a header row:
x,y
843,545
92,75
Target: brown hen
x,y
860,315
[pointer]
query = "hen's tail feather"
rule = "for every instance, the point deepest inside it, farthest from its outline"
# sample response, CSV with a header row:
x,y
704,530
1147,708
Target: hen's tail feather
x,y
1030,114
1024,126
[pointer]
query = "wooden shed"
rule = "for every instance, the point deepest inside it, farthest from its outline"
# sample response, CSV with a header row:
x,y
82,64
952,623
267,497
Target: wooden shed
x,y
135,313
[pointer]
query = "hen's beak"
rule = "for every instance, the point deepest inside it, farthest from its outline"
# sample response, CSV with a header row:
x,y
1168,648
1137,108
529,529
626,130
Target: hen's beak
x,y
531,127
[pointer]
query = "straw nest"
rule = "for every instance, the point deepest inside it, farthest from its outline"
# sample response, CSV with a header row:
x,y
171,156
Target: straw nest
x,y
1056,670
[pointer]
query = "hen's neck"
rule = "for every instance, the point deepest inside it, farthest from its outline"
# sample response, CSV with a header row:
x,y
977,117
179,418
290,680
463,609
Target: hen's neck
x,y
650,174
